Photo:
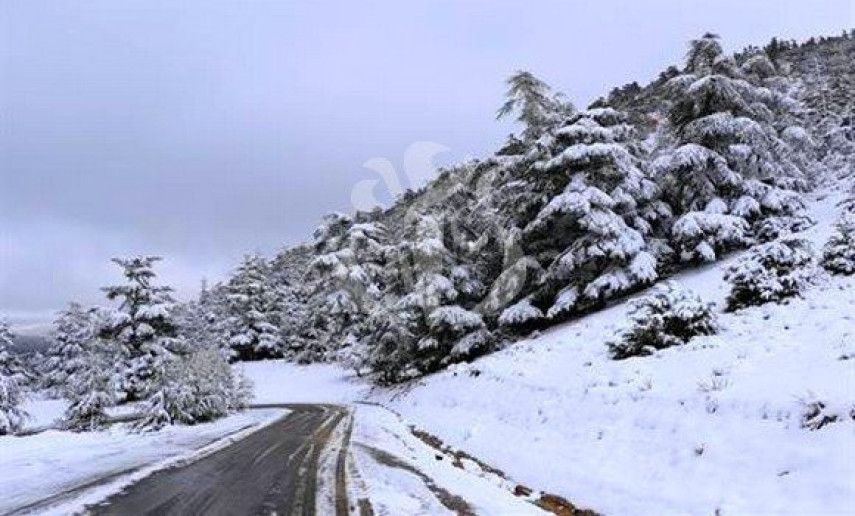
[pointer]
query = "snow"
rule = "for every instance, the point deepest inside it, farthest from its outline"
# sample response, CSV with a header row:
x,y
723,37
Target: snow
x,y
42,412
454,318
402,475
714,424
46,413
53,464
277,381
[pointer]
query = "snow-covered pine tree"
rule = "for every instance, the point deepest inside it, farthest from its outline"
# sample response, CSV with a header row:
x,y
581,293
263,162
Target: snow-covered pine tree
x,y
141,326
354,354
288,273
74,328
201,322
417,327
10,364
448,324
536,106
253,304
90,389
670,316
392,339
348,273
591,234
838,254
725,165
293,319
194,388
11,414
769,272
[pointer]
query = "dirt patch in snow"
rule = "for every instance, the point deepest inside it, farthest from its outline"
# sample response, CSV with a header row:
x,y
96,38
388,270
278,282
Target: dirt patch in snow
x,y
546,501
451,501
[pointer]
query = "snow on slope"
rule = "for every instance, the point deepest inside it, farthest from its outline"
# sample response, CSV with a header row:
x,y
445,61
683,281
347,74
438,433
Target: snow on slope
x,y
394,465
711,425
44,465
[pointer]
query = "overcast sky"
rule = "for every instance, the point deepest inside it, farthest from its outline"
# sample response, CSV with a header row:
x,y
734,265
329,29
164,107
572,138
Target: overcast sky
x,y
204,129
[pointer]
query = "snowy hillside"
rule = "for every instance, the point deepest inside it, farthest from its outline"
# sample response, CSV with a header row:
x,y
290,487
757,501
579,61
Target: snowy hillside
x,y
713,425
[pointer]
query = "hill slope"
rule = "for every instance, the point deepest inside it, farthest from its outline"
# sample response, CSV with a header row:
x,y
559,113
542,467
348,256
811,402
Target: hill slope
x,y
713,425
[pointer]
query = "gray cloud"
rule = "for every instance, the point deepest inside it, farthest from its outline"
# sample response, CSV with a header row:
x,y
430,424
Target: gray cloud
x,y
204,129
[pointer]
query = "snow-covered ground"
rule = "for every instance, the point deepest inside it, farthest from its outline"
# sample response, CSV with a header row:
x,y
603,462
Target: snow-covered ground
x,y
43,412
54,462
277,381
715,424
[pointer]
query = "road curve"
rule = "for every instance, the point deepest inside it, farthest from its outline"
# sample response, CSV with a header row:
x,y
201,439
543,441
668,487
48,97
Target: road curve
x,y
272,471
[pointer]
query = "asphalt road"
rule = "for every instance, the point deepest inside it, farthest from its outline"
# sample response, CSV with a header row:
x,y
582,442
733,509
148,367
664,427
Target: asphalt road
x,y
272,471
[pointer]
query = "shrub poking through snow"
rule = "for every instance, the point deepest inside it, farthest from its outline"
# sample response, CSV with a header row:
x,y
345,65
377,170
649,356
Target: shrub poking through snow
x,y
818,414
776,227
769,272
670,316
838,255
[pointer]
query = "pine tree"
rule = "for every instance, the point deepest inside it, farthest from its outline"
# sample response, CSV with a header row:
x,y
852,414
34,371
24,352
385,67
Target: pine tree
x,y
354,354
294,320
11,375
521,316
729,167
253,302
417,327
670,316
90,389
591,234
74,328
535,104
348,271
201,322
194,388
769,272
838,254
142,325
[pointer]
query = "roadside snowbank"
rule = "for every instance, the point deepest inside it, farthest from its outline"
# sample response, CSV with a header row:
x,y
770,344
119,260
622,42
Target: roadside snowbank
x,y
402,475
